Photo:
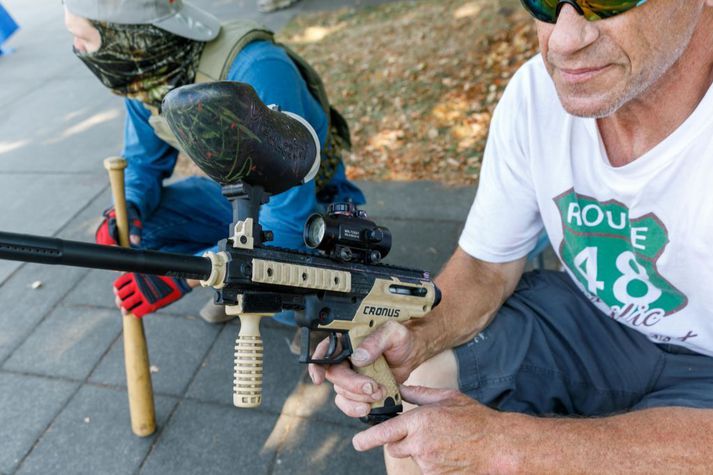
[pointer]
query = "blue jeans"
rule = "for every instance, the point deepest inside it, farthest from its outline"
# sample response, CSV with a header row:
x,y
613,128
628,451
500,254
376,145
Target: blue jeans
x,y
191,218
193,215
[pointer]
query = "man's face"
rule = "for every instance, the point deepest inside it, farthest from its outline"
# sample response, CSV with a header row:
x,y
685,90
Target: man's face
x,y
599,66
86,37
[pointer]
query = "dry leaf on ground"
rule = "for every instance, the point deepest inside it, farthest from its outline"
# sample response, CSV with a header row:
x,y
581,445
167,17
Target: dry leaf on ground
x,y
417,81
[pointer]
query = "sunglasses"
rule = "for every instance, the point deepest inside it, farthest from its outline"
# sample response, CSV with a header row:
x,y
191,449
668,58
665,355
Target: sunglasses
x,y
548,10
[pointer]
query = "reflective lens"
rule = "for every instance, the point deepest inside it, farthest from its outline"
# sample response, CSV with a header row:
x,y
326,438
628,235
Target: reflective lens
x,y
547,10
314,230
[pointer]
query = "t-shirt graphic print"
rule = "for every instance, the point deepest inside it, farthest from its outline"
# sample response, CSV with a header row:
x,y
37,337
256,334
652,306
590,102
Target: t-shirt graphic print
x,y
613,257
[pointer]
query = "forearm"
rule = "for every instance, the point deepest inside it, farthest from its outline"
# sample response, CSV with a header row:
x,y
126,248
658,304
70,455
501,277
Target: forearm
x,y
472,292
150,159
647,441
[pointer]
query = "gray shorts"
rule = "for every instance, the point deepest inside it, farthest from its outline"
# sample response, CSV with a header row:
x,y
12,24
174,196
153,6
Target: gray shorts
x,y
549,351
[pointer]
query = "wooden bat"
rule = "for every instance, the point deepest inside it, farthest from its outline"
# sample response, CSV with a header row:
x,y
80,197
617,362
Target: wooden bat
x,y
136,355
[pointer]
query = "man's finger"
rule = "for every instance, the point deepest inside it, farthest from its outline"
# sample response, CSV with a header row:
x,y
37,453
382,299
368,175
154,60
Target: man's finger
x,y
342,375
421,395
387,432
400,450
377,343
352,408
378,395
135,239
316,373
320,351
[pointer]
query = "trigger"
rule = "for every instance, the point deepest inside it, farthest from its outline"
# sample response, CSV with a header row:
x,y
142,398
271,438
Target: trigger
x,y
332,350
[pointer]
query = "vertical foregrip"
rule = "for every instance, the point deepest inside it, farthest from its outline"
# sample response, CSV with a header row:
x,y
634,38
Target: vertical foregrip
x,y
247,380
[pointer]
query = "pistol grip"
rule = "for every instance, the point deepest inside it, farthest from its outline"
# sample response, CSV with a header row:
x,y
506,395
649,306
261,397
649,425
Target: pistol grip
x,y
391,405
247,378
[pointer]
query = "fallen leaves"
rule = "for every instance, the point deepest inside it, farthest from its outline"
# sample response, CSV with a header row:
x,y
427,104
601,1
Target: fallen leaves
x,y
417,80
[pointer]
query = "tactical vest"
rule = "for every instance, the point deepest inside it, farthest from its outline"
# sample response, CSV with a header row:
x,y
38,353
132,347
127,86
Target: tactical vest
x,y
214,65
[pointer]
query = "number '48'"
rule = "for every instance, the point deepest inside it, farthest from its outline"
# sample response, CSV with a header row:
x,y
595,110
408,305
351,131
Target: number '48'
x,y
631,273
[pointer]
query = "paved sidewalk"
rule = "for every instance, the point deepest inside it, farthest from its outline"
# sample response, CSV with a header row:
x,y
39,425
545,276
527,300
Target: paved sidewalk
x,y
63,404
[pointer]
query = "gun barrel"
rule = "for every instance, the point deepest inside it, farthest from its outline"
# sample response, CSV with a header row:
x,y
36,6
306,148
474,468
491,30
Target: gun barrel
x,y
46,250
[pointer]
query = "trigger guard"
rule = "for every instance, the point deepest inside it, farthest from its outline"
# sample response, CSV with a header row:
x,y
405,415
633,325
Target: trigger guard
x,y
331,359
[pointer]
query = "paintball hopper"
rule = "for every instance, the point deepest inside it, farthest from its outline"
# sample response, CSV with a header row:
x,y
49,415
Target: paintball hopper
x,y
233,137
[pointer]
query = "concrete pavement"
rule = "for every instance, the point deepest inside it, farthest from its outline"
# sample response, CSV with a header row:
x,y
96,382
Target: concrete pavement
x,y
63,405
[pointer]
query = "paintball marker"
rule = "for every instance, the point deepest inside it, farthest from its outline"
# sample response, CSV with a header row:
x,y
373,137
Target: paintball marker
x,y
342,288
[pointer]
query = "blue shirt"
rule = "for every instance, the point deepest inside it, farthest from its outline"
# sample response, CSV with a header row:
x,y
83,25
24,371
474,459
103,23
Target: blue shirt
x,y
276,79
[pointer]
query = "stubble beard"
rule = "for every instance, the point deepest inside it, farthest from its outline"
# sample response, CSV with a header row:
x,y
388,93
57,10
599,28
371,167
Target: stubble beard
x,y
636,87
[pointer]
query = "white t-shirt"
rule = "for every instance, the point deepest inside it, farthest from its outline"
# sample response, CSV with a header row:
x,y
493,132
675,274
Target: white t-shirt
x,y
638,239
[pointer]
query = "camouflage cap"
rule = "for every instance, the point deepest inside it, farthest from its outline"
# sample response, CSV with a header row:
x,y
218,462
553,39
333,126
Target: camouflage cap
x,y
175,16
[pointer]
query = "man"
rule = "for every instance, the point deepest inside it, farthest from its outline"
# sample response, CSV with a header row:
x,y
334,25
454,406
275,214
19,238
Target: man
x,y
606,140
142,53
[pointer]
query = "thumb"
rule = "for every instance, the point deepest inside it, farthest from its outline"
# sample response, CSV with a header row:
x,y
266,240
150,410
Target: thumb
x,y
376,344
421,395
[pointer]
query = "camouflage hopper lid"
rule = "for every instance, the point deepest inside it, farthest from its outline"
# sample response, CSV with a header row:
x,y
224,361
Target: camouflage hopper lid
x,y
233,137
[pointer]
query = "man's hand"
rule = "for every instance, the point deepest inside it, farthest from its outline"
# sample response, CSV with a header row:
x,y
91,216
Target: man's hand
x,y
108,234
448,433
142,293
356,392
472,289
